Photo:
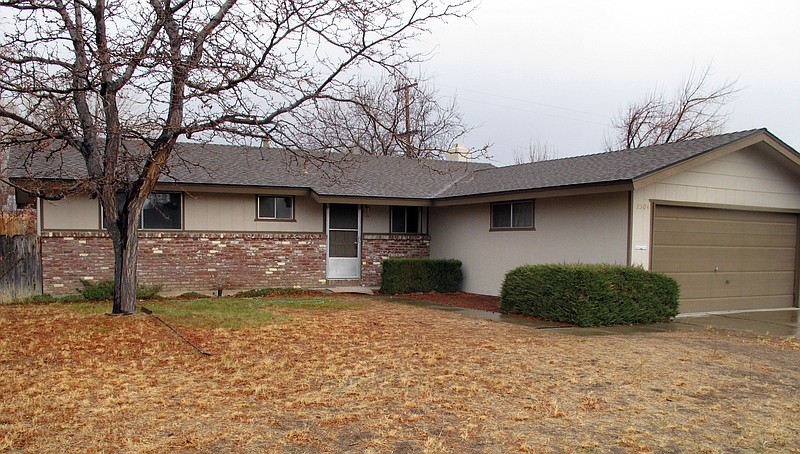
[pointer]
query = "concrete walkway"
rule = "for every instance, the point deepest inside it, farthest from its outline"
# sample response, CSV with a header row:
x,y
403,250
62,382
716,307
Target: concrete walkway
x,y
770,322
778,323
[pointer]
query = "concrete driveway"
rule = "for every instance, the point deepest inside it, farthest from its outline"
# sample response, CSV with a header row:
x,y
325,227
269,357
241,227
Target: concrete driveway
x,y
779,323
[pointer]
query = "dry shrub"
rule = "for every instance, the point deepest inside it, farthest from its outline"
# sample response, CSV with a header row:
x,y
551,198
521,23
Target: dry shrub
x,y
19,222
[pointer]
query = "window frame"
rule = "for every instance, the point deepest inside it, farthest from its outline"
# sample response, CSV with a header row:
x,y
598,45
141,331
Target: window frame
x,y
275,198
493,228
405,220
141,215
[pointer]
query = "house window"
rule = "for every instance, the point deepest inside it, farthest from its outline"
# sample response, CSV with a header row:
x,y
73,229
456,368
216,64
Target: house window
x,y
404,219
161,211
512,215
276,207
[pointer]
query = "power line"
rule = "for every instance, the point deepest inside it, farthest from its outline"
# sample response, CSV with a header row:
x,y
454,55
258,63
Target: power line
x,y
529,111
552,106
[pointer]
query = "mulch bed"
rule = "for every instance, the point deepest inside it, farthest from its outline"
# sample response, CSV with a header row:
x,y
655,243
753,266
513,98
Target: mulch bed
x,y
459,299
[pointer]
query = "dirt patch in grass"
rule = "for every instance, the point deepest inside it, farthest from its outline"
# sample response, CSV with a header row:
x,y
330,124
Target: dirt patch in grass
x,y
385,377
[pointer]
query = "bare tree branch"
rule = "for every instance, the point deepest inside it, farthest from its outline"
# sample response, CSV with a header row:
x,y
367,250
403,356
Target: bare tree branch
x,y
372,120
535,151
696,111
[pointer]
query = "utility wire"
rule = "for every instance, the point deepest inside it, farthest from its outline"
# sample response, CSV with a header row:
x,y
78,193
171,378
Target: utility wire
x,y
511,98
531,111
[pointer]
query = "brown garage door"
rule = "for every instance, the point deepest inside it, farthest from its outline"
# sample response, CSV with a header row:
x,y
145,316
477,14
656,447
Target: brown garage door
x,y
727,259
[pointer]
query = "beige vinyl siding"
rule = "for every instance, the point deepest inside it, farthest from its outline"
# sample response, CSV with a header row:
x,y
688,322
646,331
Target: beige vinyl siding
x,y
746,179
219,212
727,259
375,219
210,212
71,213
585,229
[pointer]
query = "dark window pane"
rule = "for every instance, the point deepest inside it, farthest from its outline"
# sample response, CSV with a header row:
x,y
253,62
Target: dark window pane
x,y
412,220
398,219
344,217
162,211
343,243
266,207
522,215
501,215
283,208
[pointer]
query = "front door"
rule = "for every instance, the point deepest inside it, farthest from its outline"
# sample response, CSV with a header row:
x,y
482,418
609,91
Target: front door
x,y
344,242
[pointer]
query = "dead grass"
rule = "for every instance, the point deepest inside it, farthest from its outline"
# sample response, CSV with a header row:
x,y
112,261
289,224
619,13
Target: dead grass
x,y
383,377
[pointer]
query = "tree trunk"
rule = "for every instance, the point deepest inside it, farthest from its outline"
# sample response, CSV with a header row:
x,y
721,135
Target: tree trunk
x,y
126,245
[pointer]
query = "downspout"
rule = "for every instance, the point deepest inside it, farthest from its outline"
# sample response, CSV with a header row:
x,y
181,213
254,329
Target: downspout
x,y
39,243
630,228
39,217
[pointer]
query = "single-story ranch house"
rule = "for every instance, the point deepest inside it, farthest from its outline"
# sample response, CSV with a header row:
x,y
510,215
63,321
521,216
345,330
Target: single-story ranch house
x,y
720,214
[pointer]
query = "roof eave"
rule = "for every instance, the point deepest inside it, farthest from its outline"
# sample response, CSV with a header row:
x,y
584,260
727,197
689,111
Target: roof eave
x,y
538,193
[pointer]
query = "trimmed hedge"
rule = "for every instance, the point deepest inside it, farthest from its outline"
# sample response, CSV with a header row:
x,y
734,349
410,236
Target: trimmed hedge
x,y
421,275
590,295
104,290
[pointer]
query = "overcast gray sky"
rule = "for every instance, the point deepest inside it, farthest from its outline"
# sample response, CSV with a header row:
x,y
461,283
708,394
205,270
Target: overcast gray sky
x,y
558,71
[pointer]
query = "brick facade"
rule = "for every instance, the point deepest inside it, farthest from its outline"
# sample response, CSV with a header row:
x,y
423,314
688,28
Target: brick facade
x,y
205,262
376,248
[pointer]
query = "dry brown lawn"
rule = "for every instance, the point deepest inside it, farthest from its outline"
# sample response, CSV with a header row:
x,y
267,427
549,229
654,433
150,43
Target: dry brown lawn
x,y
384,377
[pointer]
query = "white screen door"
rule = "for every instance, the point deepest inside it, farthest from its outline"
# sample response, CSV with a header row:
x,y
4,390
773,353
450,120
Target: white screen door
x,y
344,242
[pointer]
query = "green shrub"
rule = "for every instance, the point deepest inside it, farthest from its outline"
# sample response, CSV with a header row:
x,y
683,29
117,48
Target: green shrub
x,y
189,295
420,275
70,298
43,298
590,295
267,292
148,292
104,290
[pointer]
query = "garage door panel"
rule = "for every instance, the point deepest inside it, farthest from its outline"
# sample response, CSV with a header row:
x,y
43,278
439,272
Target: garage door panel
x,y
727,259
675,259
724,215
710,285
725,239
694,226
735,303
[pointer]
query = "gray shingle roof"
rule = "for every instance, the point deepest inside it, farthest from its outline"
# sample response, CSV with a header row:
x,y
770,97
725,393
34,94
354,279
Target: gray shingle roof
x,y
609,167
338,175
327,175
391,176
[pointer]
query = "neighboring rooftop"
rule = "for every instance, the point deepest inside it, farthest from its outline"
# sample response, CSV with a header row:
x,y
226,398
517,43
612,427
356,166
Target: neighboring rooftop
x,y
392,176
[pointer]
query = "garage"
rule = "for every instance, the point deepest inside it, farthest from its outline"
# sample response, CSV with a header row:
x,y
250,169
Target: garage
x,y
727,259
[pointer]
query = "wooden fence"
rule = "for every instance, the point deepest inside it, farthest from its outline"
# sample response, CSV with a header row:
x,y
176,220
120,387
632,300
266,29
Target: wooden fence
x,y
20,267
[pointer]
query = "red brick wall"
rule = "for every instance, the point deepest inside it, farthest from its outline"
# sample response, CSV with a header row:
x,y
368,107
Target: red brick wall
x,y
183,261
204,262
376,248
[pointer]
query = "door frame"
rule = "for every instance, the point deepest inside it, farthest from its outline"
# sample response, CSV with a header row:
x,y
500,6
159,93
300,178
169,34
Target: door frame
x,y
336,268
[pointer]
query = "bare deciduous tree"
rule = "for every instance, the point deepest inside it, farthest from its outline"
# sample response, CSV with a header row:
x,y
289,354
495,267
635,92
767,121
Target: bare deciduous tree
x,y
121,81
535,151
395,115
695,111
